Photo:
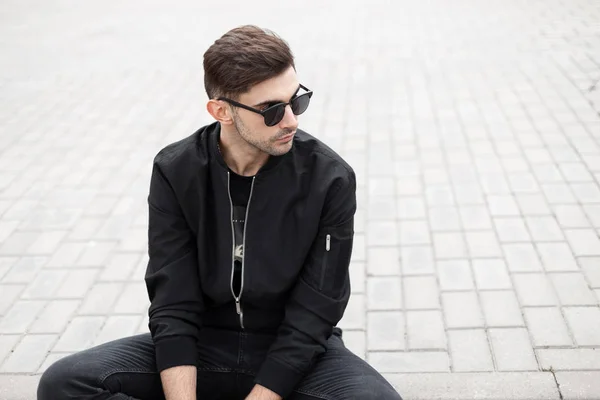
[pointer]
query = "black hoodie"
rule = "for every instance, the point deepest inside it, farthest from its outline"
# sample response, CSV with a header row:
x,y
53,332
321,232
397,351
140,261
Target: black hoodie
x,y
298,244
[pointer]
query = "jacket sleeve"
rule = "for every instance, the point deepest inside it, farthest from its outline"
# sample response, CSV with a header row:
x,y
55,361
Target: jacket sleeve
x,y
171,277
318,299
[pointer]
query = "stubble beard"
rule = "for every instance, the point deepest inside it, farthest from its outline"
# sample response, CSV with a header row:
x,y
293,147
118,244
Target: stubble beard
x,y
268,146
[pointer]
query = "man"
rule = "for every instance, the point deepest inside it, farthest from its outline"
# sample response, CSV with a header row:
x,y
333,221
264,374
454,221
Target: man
x,y
250,238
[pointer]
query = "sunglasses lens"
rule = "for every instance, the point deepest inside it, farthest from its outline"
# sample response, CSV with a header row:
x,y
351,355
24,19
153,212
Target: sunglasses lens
x,y
274,115
300,103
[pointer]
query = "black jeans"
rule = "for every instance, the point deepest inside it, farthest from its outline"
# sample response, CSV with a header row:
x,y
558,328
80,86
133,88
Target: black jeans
x,y
125,369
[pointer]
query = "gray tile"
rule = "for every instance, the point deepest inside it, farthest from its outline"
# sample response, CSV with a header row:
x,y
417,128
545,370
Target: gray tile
x,y
421,292
483,244
117,327
468,194
384,293
354,316
414,233
134,299
547,173
45,284
29,354
425,330
449,245
557,257
546,326
7,344
544,229
383,261
512,350
385,330
592,211
511,229
475,218
49,360
381,186
10,293
55,316
357,277
470,350
575,172
409,185
585,324
533,204
578,385
522,257
455,275
586,192
503,206
491,274
462,310
534,290
379,208
77,283
444,219
20,316
501,309
96,254
408,208
583,242
591,268
422,361
101,298
66,255
572,289
24,270
417,260
46,243
571,216
558,193
80,334
119,267
568,359
380,233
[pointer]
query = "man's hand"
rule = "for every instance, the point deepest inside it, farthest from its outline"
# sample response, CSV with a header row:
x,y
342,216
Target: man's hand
x,y
262,393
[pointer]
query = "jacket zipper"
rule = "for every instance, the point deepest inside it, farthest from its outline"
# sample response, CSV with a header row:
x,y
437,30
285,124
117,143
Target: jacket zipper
x,y
324,267
238,297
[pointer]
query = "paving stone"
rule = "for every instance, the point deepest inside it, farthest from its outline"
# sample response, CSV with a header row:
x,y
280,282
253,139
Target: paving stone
x,y
482,244
546,326
589,265
414,233
10,293
568,359
383,261
409,185
381,186
5,264
29,354
24,270
66,255
586,192
117,327
449,245
462,310
521,257
592,211
80,334
357,277
439,195
544,229
557,257
425,330
572,289
421,293
585,324
380,233
470,350
468,194
501,309
512,350
77,283
358,254
571,216
101,298
85,228
44,285
20,316
7,344
417,260
583,242
409,208
532,204
385,330
558,193
444,219
491,274
421,361
475,218
534,290
455,275
46,243
502,206
119,267
547,173
7,228
578,385
55,316
511,229
379,208
96,254
384,293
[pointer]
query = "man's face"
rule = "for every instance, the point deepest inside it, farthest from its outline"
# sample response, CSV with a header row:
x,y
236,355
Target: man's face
x,y
274,140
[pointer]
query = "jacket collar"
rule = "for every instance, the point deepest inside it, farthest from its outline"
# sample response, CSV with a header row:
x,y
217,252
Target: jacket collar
x,y
214,134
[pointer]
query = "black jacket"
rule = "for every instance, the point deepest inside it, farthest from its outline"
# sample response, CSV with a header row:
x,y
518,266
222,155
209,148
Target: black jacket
x,y
298,243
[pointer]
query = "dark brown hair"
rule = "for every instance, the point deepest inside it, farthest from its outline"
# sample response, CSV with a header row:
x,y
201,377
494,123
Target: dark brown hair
x,y
242,58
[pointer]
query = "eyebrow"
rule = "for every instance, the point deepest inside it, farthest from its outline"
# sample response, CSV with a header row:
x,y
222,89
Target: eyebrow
x,y
264,103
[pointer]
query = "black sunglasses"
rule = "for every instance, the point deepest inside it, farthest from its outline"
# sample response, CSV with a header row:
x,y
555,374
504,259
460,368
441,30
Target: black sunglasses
x,y
274,114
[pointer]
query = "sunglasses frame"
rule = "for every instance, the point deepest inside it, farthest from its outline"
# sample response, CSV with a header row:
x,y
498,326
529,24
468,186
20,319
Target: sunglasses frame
x,y
308,93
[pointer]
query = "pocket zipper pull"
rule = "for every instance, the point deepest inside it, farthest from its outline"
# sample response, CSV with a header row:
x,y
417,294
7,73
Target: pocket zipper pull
x,y
327,242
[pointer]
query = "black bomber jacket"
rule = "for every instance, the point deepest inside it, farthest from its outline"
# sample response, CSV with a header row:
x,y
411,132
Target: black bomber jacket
x,y
298,244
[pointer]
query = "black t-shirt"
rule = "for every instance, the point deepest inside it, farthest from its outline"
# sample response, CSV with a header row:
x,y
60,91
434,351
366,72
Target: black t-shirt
x,y
240,193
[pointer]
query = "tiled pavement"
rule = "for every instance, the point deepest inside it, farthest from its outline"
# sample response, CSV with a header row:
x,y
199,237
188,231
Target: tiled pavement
x,y
473,127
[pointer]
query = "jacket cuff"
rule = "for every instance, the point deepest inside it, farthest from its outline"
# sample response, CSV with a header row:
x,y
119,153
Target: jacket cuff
x,y
175,351
278,377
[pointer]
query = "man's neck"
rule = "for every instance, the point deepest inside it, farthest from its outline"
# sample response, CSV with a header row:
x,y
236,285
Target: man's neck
x,y
239,156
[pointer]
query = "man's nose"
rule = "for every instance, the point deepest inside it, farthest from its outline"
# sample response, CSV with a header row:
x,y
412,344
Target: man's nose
x,y
289,120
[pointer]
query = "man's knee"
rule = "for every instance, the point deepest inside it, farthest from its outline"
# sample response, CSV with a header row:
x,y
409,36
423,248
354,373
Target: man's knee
x,y
55,381
376,388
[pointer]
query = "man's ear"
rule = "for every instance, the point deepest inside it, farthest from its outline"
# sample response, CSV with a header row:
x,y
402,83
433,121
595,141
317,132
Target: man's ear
x,y
219,111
